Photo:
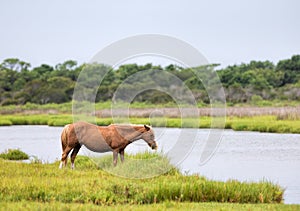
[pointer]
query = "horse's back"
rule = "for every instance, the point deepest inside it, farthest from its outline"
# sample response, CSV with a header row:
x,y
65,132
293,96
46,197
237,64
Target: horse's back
x,y
91,137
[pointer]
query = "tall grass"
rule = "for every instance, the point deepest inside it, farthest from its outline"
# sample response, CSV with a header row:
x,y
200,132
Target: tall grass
x,y
86,184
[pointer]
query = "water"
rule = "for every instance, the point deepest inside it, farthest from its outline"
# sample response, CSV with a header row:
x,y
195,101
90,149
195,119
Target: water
x,y
245,156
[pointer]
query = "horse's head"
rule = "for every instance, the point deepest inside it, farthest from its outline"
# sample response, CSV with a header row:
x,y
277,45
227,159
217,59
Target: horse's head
x,y
148,136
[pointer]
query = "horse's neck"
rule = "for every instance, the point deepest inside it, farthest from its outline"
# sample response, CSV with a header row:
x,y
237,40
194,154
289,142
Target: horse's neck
x,y
130,132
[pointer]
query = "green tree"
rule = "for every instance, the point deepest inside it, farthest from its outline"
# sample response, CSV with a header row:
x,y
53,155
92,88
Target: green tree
x,y
290,68
14,64
42,72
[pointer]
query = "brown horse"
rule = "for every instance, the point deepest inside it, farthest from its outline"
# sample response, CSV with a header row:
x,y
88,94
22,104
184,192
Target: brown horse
x,y
113,138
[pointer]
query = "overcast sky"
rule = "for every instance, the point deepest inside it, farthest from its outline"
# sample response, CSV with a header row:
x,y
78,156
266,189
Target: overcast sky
x,y
227,32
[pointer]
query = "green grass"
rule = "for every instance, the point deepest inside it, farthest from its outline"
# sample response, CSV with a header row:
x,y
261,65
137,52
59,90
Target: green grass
x,y
149,165
21,182
25,205
263,124
5,122
62,108
36,119
14,154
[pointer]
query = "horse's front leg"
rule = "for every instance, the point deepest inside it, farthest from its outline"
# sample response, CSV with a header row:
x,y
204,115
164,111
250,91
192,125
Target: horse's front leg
x,y
115,156
122,155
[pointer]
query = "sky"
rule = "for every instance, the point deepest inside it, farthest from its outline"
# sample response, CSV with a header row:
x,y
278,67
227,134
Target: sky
x,y
225,32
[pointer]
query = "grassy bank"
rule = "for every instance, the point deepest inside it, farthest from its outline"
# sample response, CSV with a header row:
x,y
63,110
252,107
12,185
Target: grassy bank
x,y
89,185
272,124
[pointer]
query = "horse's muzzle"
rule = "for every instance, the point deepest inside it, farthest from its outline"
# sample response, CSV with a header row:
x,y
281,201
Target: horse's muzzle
x,y
153,145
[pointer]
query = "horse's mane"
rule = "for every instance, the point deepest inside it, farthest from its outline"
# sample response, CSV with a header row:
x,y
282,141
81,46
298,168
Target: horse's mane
x,y
129,126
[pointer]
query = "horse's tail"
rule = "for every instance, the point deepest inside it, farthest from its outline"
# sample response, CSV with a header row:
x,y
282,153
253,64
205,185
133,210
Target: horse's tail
x,y
64,136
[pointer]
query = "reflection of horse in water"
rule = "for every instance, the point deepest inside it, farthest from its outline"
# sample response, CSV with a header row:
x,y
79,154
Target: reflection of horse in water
x,y
113,138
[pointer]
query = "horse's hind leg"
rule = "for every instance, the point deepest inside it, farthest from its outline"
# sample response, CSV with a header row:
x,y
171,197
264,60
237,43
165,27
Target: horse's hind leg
x,y
64,145
63,149
64,157
73,155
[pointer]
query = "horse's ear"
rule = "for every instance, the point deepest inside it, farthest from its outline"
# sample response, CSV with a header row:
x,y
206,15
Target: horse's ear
x,y
147,127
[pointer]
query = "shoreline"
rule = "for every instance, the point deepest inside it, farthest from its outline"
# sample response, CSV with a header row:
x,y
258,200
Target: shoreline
x,y
265,123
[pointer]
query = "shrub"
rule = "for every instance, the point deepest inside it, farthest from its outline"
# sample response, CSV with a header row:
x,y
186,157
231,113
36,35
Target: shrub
x,y
14,154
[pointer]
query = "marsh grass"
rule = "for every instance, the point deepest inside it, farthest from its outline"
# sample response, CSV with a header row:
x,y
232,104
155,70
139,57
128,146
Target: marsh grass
x,y
87,184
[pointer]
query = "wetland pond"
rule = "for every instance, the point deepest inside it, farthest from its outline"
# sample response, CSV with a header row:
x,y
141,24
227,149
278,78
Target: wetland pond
x,y
244,156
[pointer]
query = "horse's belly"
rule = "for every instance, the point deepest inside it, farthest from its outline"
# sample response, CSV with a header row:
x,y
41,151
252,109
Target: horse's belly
x,y
98,147
93,140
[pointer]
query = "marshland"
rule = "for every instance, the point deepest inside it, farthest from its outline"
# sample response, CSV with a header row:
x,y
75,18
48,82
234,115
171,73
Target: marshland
x,y
248,170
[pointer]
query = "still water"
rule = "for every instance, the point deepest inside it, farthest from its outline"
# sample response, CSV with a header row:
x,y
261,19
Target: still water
x,y
245,156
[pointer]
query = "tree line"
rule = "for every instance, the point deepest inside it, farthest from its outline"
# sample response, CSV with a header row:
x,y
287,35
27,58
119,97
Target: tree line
x,y
257,80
